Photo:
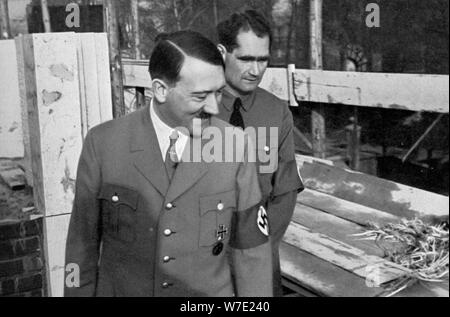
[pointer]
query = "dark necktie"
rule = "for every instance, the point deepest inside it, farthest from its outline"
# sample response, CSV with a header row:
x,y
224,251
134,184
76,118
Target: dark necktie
x,y
236,116
171,160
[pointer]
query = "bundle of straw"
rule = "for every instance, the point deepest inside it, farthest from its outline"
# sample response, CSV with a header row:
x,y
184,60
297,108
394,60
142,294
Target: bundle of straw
x,y
420,247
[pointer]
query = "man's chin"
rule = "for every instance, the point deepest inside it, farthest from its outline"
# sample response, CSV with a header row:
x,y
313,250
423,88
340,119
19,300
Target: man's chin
x,y
198,125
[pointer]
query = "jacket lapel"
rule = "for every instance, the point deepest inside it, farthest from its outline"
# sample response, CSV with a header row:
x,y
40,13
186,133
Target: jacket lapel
x,y
187,173
144,148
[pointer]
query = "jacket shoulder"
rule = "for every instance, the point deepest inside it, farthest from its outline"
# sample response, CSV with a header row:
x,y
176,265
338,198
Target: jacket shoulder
x,y
119,126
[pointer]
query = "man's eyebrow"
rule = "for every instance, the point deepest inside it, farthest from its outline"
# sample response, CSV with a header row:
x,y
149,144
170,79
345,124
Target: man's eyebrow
x,y
253,58
206,91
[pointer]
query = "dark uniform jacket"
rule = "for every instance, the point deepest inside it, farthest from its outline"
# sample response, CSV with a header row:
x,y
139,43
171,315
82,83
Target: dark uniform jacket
x,y
280,183
133,233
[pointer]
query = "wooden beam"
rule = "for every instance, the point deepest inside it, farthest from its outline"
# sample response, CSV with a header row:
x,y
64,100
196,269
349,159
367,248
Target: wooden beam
x,y
416,144
45,16
344,209
318,113
110,17
414,92
5,29
135,27
341,254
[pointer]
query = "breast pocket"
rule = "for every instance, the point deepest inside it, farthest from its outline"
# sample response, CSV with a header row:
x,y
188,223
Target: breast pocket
x,y
119,205
267,159
215,217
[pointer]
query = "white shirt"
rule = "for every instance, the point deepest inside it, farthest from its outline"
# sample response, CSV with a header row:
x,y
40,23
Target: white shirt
x,y
163,132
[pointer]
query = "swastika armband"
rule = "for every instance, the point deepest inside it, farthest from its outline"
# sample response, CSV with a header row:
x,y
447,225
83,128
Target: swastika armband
x,y
250,228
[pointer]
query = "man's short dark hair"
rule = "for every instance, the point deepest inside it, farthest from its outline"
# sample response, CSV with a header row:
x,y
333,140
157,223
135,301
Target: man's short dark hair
x,y
171,50
250,20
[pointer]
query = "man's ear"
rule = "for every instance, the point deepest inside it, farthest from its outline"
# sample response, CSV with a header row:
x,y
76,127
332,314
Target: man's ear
x,y
222,50
160,90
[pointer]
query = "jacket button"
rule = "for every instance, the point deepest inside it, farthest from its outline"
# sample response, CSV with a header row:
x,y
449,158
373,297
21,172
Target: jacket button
x,y
165,285
166,258
169,206
167,232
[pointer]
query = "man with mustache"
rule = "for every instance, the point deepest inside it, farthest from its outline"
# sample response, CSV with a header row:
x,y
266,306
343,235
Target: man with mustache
x,y
145,222
244,42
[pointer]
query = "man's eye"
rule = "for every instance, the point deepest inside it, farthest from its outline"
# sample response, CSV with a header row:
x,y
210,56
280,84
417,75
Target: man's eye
x,y
200,98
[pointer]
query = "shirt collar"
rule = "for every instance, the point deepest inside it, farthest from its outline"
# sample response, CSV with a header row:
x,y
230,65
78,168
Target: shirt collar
x,y
247,100
163,132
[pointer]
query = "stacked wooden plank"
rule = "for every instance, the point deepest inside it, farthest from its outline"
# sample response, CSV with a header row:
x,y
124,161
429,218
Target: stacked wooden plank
x,y
320,256
66,86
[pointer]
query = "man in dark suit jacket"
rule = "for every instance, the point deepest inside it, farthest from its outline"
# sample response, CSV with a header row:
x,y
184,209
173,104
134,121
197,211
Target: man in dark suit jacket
x,y
245,41
149,220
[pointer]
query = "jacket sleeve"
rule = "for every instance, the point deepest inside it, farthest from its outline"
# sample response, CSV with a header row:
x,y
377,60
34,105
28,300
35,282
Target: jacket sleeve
x,y
251,255
286,181
83,240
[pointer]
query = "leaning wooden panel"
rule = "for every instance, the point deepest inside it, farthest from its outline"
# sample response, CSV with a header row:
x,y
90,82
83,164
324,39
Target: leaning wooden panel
x,y
90,109
56,229
51,71
415,92
24,110
103,76
11,140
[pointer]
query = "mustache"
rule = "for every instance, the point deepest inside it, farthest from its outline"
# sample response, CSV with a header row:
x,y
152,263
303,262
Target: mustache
x,y
204,115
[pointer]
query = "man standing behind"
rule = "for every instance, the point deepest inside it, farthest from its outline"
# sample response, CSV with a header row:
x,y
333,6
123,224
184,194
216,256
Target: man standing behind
x,y
244,42
146,220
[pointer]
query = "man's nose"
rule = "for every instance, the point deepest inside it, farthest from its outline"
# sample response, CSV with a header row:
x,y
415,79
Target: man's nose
x,y
212,105
255,69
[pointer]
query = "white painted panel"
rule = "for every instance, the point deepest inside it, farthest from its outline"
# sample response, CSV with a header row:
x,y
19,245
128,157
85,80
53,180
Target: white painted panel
x,y
11,139
56,229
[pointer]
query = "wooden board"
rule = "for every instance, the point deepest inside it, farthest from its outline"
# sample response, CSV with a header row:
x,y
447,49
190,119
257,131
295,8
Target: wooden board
x,y
415,92
56,229
344,209
136,74
14,178
321,277
94,79
341,254
334,227
103,76
11,145
24,110
54,117
394,198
